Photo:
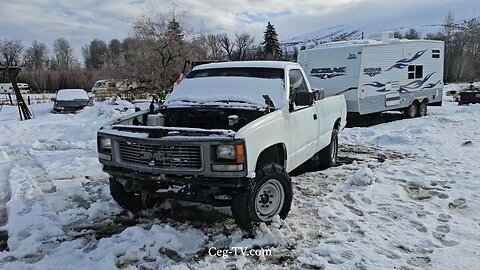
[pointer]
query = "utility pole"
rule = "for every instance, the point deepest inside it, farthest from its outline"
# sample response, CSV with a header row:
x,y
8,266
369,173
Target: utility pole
x,y
12,73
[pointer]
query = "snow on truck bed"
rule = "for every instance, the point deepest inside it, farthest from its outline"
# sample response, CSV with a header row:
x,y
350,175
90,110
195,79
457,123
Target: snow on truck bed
x,y
406,195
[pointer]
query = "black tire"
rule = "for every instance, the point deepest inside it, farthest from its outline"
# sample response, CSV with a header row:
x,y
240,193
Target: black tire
x,y
128,200
246,201
327,157
412,110
422,109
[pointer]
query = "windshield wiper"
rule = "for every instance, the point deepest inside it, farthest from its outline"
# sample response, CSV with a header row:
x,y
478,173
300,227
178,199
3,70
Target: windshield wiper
x,y
230,100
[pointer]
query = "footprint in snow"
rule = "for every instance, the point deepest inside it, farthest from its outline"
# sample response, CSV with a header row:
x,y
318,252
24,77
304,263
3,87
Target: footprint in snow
x,y
442,230
418,226
458,203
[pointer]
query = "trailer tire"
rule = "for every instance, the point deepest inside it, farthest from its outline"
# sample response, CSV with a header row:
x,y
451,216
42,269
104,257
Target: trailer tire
x,y
412,110
328,156
422,109
255,203
128,200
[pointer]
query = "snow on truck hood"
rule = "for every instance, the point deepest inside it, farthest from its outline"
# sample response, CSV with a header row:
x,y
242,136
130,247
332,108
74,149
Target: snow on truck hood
x,y
246,92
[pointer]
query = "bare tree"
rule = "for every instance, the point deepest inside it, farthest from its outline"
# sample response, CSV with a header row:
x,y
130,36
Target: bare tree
x,y
36,56
158,49
227,45
11,52
214,47
63,52
244,44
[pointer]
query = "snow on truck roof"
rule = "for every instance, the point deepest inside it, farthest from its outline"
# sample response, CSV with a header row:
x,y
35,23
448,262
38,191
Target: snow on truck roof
x,y
369,42
246,64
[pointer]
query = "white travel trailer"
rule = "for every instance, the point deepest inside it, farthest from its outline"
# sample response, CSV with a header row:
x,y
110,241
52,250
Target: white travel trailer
x,y
379,74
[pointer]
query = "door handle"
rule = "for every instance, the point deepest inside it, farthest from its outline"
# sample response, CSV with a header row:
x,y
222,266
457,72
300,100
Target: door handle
x,y
315,116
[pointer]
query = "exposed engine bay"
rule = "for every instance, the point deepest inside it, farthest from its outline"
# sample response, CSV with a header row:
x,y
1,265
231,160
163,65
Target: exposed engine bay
x,y
210,118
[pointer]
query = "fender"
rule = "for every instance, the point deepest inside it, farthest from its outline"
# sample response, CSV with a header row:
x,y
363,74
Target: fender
x,y
262,133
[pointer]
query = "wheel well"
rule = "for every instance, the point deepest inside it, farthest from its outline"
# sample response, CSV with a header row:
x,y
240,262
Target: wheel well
x,y
417,100
275,153
336,126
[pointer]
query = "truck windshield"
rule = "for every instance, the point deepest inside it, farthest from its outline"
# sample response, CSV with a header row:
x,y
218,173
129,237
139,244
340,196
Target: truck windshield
x,y
264,73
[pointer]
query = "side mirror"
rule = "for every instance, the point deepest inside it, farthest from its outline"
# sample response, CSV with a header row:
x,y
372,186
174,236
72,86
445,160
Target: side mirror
x,y
53,99
304,99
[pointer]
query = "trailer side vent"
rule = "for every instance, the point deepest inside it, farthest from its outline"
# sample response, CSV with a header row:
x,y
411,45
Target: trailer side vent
x,y
435,53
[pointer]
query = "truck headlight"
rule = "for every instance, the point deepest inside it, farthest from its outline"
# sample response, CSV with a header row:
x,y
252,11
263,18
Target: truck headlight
x,y
105,143
226,152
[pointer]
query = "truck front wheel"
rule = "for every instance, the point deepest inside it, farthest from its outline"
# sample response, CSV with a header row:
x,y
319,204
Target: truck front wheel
x,y
269,194
128,200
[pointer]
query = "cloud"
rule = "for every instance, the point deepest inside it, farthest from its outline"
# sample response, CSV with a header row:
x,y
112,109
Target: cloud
x,y
81,21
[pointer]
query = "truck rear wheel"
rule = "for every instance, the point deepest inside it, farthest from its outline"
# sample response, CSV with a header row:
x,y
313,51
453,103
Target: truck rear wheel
x,y
412,110
128,200
269,194
328,155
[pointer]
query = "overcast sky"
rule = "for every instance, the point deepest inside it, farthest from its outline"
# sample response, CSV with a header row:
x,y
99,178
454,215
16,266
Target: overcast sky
x,y
82,20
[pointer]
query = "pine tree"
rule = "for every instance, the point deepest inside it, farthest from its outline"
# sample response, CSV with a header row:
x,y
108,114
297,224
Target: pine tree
x,y
271,45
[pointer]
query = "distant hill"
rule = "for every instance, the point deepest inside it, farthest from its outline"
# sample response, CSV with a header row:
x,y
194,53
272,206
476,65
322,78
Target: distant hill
x,y
346,32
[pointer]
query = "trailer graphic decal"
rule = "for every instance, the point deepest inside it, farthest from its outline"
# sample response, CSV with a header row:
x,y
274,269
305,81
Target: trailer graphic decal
x,y
380,87
403,63
431,85
415,84
327,73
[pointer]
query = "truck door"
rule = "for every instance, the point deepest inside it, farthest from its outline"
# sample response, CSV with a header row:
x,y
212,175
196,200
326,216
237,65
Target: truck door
x,y
303,121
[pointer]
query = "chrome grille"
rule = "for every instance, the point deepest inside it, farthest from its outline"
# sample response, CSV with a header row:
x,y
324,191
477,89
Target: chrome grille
x,y
162,156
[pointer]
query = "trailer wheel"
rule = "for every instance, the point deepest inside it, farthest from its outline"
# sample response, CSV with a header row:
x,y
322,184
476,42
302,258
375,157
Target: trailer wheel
x,y
269,194
128,200
412,110
422,109
328,155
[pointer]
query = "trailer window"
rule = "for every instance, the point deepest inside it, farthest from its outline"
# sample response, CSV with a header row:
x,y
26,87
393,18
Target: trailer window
x,y
435,53
415,71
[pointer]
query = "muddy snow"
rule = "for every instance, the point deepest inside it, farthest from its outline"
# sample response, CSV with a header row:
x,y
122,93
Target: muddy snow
x,y
406,195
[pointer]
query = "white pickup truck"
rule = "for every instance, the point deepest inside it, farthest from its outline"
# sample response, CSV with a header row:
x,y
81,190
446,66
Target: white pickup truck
x,y
228,135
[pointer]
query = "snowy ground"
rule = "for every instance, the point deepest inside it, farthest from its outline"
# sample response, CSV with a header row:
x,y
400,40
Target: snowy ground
x,y
406,196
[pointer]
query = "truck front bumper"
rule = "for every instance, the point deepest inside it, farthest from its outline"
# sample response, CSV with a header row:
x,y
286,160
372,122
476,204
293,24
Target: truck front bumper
x,y
175,160
149,179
